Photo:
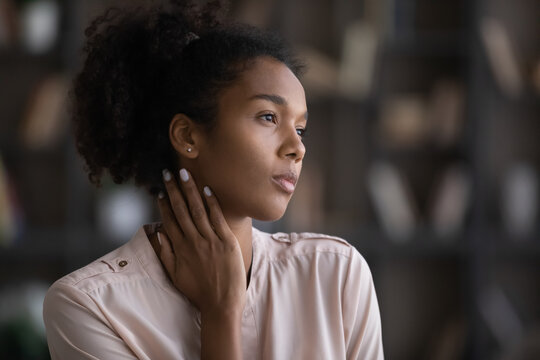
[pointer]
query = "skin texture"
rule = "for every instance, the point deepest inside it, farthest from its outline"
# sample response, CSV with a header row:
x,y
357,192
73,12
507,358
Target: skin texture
x,y
206,246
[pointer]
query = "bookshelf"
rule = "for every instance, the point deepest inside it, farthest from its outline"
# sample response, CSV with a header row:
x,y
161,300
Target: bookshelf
x,y
440,291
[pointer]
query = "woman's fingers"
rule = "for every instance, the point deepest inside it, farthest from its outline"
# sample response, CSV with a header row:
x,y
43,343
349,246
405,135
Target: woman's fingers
x,y
196,205
217,219
169,222
166,254
189,210
179,207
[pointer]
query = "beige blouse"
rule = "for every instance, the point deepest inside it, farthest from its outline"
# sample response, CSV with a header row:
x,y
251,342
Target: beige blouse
x,y
310,296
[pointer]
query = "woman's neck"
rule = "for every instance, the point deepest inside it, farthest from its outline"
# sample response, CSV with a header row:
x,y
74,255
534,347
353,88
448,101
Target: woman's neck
x,y
242,229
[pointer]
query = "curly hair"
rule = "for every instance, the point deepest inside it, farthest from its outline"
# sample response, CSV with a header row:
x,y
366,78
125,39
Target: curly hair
x,y
145,65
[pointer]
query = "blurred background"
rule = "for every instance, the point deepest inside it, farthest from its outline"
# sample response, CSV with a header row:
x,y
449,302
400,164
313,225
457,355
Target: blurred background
x,y
423,153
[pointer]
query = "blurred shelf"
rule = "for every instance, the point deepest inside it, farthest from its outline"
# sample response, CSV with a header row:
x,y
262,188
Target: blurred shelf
x,y
426,45
423,244
523,248
50,245
54,246
423,150
36,255
18,56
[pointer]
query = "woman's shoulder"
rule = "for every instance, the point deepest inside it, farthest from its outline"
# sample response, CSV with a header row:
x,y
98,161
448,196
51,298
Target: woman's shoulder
x,y
281,244
119,265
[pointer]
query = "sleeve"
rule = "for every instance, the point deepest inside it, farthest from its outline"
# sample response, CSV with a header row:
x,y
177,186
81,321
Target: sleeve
x,y
361,318
76,329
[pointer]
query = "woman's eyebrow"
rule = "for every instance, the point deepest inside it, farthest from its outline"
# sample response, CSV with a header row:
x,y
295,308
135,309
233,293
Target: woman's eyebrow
x,y
276,99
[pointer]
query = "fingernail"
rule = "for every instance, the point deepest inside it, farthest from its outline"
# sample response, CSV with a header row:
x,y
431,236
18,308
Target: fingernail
x,y
184,175
159,238
161,195
207,191
166,175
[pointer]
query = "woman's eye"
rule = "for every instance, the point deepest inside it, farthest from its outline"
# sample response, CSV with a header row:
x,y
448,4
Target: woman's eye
x,y
268,117
301,131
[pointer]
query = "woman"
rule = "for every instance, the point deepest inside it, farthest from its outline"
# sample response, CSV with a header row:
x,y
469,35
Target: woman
x,y
210,118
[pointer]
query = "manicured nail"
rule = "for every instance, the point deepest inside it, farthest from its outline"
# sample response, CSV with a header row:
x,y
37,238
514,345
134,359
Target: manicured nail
x,y
159,238
161,195
207,191
166,175
184,175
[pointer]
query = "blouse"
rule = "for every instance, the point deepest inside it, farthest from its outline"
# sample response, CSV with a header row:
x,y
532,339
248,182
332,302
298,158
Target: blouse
x,y
310,296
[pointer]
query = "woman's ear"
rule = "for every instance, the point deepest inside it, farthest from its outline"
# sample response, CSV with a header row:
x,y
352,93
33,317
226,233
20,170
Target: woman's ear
x,y
184,136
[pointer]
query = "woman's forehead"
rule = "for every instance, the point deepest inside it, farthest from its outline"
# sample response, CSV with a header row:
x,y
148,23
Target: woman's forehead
x,y
269,79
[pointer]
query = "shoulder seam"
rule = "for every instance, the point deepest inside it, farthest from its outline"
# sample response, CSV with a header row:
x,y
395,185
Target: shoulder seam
x,y
108,283
307,253
64,282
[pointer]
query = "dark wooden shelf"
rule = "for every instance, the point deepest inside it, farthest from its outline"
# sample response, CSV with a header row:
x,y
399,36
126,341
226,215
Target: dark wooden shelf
x,y
427,45
511,248
424,243
41,246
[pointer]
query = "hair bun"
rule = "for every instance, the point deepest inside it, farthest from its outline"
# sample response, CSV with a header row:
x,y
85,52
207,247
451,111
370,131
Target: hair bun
x,y
127,52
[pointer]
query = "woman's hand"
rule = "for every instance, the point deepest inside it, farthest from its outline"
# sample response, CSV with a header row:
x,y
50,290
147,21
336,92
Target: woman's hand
x,y
199,251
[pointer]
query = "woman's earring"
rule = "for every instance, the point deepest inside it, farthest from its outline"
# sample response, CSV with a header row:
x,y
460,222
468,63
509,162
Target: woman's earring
x,y
188,149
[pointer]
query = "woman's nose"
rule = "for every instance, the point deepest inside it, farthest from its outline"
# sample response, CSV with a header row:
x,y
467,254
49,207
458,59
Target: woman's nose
x,y
292,146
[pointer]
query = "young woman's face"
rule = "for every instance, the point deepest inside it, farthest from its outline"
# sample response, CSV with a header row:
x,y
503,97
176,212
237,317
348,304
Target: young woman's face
x,y
253,157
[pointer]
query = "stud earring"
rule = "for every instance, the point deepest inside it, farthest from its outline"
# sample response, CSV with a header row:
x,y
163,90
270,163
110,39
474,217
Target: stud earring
x,y
188,149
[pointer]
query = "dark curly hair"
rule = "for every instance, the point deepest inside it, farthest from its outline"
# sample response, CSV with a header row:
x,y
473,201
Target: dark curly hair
x,y
145,65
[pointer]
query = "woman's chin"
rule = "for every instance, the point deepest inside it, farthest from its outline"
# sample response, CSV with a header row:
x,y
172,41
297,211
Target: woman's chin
x,y
273,214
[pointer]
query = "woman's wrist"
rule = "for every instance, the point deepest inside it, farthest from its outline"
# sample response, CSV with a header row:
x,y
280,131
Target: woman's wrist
x,y
221,335
221,314
226,309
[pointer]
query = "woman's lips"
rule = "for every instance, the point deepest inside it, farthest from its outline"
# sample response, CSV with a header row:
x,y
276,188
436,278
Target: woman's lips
x,y
284,183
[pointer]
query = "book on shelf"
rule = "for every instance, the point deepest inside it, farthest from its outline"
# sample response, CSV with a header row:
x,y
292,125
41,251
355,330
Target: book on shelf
x,y
40,24
45,120
357,66
403,121
445,112
8,23
501,55
257,13
11,220
451,201
398,210
409,120
321,77
535,76
33,24
519,200
501,316
392,200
